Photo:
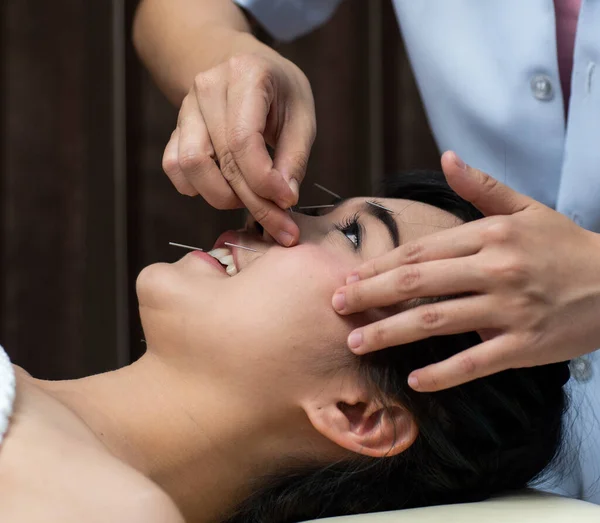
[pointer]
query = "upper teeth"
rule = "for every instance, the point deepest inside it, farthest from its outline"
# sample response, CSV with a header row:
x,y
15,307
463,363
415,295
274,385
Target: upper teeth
x,y
225,257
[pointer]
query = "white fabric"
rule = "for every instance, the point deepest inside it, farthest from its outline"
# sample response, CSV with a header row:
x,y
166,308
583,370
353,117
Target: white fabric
x,y
475,62
522,508
7,392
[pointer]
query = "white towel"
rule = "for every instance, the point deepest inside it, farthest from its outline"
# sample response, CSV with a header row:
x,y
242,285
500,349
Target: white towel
x,y
7,392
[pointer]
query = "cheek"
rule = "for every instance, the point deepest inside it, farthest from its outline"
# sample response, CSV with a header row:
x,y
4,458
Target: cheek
x,y
306,276
287,301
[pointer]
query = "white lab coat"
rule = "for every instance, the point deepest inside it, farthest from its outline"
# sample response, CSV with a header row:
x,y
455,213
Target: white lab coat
x,y
488,74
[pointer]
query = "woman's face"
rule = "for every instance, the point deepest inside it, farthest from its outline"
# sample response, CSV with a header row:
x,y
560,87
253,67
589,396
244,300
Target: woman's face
x,y
272,325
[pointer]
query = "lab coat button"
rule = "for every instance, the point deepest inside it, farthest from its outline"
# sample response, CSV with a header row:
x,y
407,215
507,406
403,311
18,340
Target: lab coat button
x,y
541,86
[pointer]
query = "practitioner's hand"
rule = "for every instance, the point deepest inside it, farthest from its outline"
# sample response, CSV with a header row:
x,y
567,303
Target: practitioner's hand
x,y
529,279
219,151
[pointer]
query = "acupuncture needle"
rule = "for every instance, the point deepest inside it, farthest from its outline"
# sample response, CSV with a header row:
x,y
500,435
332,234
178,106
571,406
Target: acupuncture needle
x,y
241,247
375,204
186,246
319,186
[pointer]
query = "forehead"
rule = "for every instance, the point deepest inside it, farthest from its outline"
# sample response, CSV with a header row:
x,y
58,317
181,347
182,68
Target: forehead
x,y
416,219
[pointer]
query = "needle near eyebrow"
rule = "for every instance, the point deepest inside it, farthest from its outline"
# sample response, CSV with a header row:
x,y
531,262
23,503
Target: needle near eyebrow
x,y
318,186
375,204
186,246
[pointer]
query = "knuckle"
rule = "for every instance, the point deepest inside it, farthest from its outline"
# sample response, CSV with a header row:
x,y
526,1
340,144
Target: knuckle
x,y
259,71
191,161
185,120
378,334
430,316
512,269
262,214
241,61
355,296
237,139
434,381
488,183
298,162
499,231
249,66
369,269
407,279
414,252
522,305
230,169
203,83
170,165
467,364
238,61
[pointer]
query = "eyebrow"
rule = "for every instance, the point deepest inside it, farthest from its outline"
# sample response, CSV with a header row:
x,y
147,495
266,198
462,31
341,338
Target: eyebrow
x,y
385,216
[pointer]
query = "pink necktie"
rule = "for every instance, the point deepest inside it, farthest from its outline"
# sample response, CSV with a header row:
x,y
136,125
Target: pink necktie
x,y
567,13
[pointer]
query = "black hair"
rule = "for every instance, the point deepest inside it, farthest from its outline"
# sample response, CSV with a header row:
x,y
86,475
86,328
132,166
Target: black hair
x,y
490,436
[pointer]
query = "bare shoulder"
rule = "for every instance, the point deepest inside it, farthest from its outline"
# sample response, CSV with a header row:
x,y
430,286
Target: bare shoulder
x,y
148,504
49,474
154,506
76,503
68,484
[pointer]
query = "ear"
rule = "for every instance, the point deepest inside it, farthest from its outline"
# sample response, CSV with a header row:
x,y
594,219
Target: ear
x,y
351,417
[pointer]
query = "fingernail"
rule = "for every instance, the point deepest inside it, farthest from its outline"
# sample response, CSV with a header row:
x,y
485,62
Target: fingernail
x,y
353,278
285,238
339,301
293,183
413,382
355,340
459,163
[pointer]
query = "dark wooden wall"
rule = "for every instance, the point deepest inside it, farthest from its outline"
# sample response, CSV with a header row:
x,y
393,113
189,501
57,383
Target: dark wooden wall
x,y
84,204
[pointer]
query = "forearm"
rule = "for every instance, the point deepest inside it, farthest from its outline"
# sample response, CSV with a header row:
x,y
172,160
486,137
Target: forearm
x,y
177,39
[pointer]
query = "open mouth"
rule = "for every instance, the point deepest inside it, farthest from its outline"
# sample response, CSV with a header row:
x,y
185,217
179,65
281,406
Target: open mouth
x,y
225,257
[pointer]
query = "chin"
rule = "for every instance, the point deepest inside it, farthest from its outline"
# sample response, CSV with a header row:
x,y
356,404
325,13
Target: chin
x,y
155,283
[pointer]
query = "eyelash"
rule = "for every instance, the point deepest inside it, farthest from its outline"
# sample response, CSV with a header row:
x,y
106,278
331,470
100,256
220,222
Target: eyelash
x,y
351,225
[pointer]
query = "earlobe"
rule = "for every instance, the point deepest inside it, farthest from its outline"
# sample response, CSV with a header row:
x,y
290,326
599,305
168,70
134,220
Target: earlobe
x,y
362,425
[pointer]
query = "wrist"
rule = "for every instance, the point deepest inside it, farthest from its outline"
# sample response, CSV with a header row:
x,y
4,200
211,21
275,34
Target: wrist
x,y
217,45
247,43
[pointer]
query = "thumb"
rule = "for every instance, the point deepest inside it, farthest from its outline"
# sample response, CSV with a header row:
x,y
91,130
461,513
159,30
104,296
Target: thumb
x,y
489,195
293,149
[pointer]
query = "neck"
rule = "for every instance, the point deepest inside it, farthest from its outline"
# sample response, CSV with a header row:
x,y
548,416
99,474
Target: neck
x,y
199,444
